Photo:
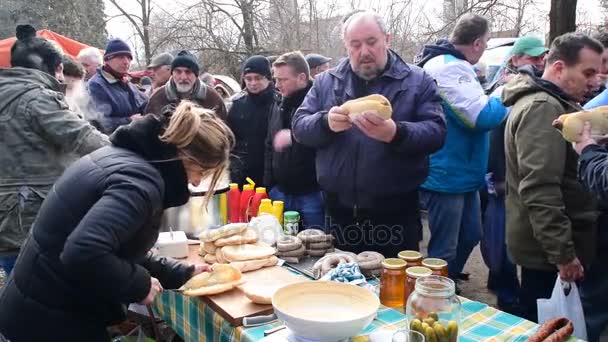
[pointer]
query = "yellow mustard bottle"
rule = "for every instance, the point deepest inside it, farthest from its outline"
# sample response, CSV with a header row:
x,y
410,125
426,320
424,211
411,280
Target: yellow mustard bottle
x,y
277,210
265,207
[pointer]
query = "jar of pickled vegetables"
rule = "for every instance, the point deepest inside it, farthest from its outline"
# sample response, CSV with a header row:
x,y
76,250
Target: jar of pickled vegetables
x,y
438,266
392,280
413,258
433,309
412,274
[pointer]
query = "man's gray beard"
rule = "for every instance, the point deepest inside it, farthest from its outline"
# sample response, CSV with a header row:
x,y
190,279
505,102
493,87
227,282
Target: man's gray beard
x,y
369,75
183,89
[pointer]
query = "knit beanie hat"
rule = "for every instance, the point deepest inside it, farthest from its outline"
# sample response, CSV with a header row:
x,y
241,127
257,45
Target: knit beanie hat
x,y
33,52
117,47
259,65
187,60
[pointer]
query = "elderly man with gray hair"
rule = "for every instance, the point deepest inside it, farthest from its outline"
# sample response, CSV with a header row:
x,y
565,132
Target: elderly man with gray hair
x,y
370,168
91,59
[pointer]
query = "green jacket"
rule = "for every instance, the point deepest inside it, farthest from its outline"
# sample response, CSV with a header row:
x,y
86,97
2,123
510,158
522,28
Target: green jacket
x,y
39,137
550,217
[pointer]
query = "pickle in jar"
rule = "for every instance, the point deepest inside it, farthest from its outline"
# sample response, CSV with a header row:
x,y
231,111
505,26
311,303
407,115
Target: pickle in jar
x,y
441,332
453,331
416,325
429,335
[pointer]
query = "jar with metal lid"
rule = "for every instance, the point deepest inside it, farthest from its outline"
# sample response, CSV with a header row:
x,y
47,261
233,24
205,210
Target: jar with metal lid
x,y
434,309
412,274
438,266
392,291
413,258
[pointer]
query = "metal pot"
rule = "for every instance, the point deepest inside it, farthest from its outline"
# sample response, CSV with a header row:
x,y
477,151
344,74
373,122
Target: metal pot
x,y
192,218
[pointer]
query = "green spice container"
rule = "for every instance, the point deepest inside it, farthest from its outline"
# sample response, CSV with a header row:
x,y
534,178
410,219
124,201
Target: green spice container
x,y
291,223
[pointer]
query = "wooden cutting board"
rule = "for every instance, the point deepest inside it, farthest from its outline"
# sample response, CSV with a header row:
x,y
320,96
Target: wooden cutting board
x,y
234,305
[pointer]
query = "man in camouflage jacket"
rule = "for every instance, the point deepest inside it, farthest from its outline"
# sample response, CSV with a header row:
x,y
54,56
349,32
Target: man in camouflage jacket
x,y
39,135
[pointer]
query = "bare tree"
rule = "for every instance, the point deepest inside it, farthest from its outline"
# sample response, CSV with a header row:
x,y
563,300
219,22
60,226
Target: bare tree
x,y
562,17
140,22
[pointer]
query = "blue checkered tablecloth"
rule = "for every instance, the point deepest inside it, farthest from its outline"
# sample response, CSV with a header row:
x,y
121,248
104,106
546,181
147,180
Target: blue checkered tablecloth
x,y
194,321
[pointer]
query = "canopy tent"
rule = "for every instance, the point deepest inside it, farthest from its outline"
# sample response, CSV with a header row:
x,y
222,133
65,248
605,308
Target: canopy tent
x,y
70,46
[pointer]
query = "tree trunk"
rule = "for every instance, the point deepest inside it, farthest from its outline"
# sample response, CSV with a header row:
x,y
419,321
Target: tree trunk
x,y
145,15
562,18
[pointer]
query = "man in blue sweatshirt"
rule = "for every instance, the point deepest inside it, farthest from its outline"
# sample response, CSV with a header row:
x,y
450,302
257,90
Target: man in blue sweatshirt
x,y
457,171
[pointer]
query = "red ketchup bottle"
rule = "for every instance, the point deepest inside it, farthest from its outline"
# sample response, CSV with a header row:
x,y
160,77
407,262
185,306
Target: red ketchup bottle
x,y
260,194
246,197
234,203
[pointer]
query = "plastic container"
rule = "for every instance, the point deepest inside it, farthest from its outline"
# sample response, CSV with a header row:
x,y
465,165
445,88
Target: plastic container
x,y
277,210
392,279
234,203
172,244
291,223
260,194
223,204
413,258
412,274
246,197
265,207
434,309
438,266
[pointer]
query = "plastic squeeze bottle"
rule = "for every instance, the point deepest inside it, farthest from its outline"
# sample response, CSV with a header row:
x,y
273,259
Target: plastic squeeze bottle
x,y
265,207
260,194
246,197
277,210
234,203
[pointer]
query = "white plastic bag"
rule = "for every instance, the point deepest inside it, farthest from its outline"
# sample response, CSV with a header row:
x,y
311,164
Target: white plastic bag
x,y
562,305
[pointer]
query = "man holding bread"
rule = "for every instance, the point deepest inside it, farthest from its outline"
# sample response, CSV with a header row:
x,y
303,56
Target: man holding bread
x,y
370,164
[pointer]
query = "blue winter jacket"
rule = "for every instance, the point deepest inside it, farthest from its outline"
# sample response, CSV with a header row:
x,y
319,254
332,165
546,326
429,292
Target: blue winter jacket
x,y
361,171
114,101
460,166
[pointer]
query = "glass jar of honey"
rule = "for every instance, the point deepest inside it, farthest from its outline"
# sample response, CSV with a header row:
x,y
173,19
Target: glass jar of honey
x,y
413,258
433,309
392,291
412,274
438,266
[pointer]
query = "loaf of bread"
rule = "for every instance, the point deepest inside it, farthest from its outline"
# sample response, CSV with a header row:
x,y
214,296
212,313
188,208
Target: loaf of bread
x,y
571,125
252,265
221,279
224,231
375,102
246,236
247,252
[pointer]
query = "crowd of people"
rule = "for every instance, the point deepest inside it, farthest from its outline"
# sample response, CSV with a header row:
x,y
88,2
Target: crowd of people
x,y
477,160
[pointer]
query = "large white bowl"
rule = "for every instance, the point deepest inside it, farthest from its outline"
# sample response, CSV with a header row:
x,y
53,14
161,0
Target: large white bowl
x,y
325,311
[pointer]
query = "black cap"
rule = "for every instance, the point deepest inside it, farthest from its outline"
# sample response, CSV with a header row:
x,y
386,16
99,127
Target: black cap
x,y
258,65
314,60
187,60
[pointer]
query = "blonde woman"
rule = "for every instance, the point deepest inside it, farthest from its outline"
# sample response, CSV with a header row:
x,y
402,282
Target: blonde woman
x,y
88,253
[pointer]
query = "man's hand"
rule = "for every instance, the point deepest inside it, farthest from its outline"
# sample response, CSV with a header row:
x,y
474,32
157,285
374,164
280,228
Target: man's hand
x,y
155,288
136,116
571,271
585,139
339,120
372,125
282,140
200,268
